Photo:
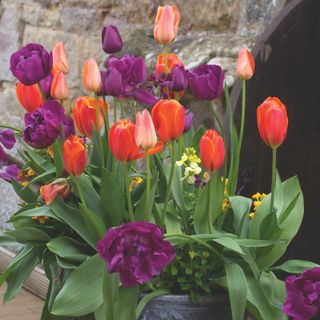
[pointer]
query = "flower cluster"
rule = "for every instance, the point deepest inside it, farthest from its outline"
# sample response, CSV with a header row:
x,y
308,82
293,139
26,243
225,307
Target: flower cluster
x,y
191,162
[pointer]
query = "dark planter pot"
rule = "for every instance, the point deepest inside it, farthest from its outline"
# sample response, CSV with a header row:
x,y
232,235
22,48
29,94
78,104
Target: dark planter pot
x,y
180,307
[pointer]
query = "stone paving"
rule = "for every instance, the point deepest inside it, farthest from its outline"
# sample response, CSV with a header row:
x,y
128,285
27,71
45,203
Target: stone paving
x,y
25,306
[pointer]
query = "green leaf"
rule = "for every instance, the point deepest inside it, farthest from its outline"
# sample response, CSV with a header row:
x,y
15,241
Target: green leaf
x,y
295,266
45,176
112,197
126,303
6,240
35,212
229,243
252,243
237,287
73,217
177,188
25,193
110,293
197,136
57,155
68,248
240,208
29,234
19,271
82,292
147,298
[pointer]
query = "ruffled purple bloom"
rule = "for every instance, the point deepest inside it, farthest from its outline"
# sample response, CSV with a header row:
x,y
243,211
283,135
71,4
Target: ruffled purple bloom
x,y
111,39
206,82
188,120
137,251
31,64
145,97
9,172
303,295
113,83
43,126
7,140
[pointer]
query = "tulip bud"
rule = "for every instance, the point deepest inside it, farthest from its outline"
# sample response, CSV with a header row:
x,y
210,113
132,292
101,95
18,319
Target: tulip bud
x,y
111,39
74,156
166,24
84,115
60,62
59,88
91,77
272,122
59,187
245,64
173,60
178,79
114,85
188,121
168,118
29,96
212,150
145,133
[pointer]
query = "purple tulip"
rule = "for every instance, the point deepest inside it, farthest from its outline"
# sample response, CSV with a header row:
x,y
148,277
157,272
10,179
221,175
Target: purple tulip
x,y
188,120
206,82
43,126
7,138
132,69
145,97
137,251
46,85
178,79
111,39
31,64
303,295
9,172
113,84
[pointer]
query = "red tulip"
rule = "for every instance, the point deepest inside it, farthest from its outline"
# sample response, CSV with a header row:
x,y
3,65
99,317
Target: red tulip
x,y
145,133
122,142
212,150
60,62
59,187
245,64
168,118
173,60
74,155
272,121
166,24
29,96
91,77
84,115
59,88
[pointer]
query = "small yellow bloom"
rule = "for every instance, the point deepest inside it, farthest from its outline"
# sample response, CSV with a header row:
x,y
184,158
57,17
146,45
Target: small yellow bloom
x,y
135,182
192,254
50,151
41,219
256,196
24,183
30,173
251,215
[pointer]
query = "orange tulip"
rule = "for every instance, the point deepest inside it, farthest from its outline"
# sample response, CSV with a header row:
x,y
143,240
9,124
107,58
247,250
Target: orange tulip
x,y
272,121
168,118
122,142
74,155
166,24
60,62
59,187
84,115
212,150
59,88
173,60
29,96
145,133
91,77
245,64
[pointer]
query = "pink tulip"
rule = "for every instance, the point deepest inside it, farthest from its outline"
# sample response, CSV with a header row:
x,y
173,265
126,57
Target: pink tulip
x,y
59,88
60,62
91,77
145,133
245,64
166,24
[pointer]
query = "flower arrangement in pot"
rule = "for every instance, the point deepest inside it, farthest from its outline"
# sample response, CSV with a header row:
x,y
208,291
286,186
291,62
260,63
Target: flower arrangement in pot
x,y
121,212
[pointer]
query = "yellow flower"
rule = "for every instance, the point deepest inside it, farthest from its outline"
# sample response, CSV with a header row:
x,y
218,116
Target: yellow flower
x,y
41,219
256,196
184,158
24,183
30,173
251,215
192,254
50,151
135,182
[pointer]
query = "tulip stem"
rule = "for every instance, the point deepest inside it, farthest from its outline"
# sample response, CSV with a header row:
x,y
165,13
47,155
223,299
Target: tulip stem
x,y
106,116
148,204
173,162
274,170
115,102
127,183
80,194
4,126
41,92
122,108
211,199
165,58
99,129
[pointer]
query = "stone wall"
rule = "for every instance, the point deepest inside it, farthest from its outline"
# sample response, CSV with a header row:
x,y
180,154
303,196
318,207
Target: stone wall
x,y
210,31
